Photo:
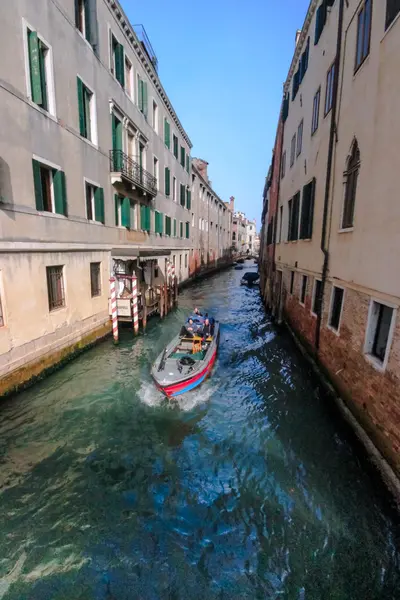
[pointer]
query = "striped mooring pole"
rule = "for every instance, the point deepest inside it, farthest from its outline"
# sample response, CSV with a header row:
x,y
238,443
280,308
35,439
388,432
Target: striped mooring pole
x,y
135,306
114,312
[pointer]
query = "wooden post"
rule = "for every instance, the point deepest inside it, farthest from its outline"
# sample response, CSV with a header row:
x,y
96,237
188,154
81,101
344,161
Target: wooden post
x,y
144,318
135,306
175,285
114,312
161,309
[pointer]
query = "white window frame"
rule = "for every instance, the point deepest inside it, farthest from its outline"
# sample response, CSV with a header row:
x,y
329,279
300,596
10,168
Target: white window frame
x,y
336,331
301,289
155,116
93,184
174,189
192,219
370,334
314,314
119,212
93,115
110,54
50,165
131,95
156,174
49,67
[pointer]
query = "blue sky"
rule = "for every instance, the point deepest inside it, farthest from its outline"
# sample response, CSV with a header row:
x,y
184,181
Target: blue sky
x,y
223,64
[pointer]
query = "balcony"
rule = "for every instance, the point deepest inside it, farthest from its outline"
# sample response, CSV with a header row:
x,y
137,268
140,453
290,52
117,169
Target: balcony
x,y
125,168
146,45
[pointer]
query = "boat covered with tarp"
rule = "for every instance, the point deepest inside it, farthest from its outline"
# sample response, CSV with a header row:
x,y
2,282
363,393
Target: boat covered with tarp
x,y
250,278
186,362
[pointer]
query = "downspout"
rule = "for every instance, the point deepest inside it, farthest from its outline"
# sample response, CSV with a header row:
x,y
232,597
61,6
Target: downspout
x,y
332,136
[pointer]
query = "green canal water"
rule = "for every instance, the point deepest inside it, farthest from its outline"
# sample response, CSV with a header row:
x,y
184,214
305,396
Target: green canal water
x,y
246,488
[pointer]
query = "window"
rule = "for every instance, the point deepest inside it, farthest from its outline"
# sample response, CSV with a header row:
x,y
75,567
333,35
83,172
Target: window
x,y
295,84
167,225
155,117
186,260
290,213
280,223
180,229
307,211
283,165
379,331
188,199
182,195
145,218
187,230
317,297
55,287
351,177
294,218
299,138
336,308
174,189
155,170
174,227
94,203
303,289
86,20
128,78
167,181
363,33
167,133
392,10
175,144
291,282
187,163
315,114
50,188
292,150
40,72
183,156
321,19
87,112
329,89
142,96
117,62
158,222
95,279
123,211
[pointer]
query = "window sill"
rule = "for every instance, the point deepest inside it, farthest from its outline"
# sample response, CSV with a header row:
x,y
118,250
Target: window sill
x,y
392,24
308,240
335,331
375,362
346,230
360,66
44,112
57,310
92,144
93,222
303,304
81,35
52,215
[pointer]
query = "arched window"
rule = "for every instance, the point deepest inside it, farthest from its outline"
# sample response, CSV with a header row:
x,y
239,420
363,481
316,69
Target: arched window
x,y
351,176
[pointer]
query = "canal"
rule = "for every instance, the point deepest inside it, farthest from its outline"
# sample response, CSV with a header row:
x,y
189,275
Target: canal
x,y
246,488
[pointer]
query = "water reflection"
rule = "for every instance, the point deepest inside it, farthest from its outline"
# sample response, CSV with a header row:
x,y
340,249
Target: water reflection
x,y
245,488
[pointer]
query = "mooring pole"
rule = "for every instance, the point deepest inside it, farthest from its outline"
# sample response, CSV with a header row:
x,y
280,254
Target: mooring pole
x,y
135,306
114,311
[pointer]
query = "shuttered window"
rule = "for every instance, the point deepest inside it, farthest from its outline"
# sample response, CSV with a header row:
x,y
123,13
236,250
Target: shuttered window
x,y
180,229
55,287
86,20
117,61
167,181
142,96
307,211
294,221
175,144
183,156
187,163
167,225
126,213
182,194
175,228
285,108
320,21
50,188
363,32
167,133
86,111
187,230
188,199
392,10
145,218
159,222
94,203
39,70
95,279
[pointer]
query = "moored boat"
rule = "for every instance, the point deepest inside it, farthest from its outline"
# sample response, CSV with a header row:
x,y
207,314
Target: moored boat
x,y
250,278
185,363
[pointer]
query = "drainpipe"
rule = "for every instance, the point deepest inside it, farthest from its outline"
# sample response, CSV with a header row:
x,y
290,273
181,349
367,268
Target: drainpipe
x,y
332,136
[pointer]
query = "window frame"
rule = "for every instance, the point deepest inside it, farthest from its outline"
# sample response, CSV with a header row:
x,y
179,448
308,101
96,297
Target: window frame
x,y
51,167
131,79
94,186
299,144
316,111
156,171
359,61
283,165
293,150
329,325
63,288
304,278
93,115
313,296
49,66
370,334
355,172
330,77
389,23
100,286
155,116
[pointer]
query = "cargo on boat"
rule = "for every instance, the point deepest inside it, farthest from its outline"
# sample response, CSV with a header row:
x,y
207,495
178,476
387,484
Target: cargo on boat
x,y
185,363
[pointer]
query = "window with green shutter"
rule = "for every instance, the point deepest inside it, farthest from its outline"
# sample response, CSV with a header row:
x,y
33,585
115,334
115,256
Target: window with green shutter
x,y
182,194
183,156
142,96
175,144
117,61
159,221
145,218
126,212
85,100
39,68
94,203
188,199
174,227
187,230
50,188
180,229
167,225
167,133
167,181
187,163
99,205
86,20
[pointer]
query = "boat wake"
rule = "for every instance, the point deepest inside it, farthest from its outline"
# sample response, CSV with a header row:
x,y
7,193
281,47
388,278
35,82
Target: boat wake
x,y
152,397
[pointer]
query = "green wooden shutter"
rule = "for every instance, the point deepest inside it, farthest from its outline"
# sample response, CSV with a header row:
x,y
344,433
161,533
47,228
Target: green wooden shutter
x,y
167,181
167,133
175,146
142,217
116,198
140,95
121,77
82,127
87,21
181,229
182,190
37,182
77,12
60,192
117,143
167,225
99,205
187,230
126,212
161,221
188,199
174,227
34,67
156,221
187,163
144,87
183,156
145,217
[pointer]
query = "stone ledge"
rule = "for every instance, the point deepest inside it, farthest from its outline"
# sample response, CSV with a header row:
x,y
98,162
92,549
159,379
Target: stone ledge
x,y
35,370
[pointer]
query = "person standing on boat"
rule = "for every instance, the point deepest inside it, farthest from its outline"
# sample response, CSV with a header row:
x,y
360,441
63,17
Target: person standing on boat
x,y
206,332
197,312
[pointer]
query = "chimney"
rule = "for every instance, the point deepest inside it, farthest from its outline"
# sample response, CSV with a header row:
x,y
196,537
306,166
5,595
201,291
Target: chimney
x,y
298,33
232,203
201,165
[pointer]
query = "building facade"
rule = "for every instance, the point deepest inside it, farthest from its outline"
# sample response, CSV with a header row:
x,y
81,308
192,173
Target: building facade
x,y
95,177
330,259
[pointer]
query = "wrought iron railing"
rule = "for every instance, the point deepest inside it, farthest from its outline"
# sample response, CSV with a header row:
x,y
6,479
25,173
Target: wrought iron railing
x,y
124,164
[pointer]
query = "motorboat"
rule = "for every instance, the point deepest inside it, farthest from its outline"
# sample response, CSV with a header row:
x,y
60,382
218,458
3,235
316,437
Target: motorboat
x,y
239,268
250,278
185,363
240,261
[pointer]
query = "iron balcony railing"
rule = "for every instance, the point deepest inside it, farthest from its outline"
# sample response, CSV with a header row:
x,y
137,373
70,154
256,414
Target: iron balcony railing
x,y
124,164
